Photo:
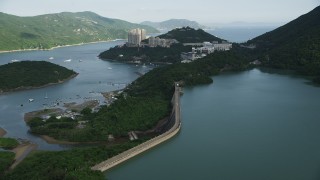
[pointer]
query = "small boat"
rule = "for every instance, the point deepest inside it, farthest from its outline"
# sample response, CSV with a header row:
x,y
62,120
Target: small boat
x,y
109,67
68,60
80,60
46,97
144,66
51,58
14,60
31,100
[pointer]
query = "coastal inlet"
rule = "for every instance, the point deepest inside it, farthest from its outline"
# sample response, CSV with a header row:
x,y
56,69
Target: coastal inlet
x,y
95,76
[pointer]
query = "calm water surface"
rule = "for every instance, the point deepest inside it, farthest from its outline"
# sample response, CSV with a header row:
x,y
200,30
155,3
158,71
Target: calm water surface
x,y
95,76
240,34
249,125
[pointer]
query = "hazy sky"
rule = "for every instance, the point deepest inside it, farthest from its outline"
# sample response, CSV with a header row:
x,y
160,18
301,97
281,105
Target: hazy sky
x,y
203,11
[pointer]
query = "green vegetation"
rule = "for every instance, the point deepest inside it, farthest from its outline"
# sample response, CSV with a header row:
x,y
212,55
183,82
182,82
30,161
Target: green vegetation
x,y
190,35
6,159
160,54
146,100
8,143
317,80
146,54
46,31
71,164
142,104
295,45
139,107
29,74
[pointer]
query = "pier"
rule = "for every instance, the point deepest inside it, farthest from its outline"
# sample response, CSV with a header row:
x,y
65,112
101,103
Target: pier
x,y
174,125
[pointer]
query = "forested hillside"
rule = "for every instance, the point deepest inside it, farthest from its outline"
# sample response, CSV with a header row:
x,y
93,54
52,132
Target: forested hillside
x,y
295,45
50,30
190,35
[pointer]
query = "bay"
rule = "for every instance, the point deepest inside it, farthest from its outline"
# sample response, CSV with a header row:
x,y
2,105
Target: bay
x,y
95,76
249,125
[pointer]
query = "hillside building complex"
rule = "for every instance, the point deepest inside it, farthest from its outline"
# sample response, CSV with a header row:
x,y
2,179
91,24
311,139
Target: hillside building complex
x,y
156,41
135,36
207,48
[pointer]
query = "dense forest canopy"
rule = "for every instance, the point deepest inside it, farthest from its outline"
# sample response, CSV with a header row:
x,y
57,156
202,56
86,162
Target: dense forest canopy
x,y
29,74
190,35
295,45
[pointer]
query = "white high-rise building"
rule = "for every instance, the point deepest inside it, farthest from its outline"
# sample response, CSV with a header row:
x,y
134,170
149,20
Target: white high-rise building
x,y
135,36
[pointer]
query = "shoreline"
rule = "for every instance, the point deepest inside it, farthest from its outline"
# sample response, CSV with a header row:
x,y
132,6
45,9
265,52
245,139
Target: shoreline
x,y
21,152
2,132
50,140
145,146
38,87
55,47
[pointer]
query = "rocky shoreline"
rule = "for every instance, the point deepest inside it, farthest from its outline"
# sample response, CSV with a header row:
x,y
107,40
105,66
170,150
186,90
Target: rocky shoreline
x,y
2,132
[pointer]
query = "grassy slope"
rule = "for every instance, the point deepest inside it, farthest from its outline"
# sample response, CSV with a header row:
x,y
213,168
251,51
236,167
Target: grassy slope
x,y
46,31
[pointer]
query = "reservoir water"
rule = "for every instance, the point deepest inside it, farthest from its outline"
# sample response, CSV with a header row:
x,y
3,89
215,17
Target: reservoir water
x,y
95,76
250,125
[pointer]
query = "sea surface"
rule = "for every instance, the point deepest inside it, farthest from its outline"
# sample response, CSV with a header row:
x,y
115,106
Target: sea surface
x,y
256,124
240,34
95,76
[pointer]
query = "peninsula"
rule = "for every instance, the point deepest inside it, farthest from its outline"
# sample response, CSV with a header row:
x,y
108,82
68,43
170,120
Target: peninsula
x,y
163,49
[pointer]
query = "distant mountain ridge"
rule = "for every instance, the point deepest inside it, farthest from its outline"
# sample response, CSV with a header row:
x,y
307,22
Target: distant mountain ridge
x,y
50,30
295,45
173,24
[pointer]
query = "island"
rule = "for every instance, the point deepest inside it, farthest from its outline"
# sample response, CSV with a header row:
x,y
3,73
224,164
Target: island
x,y
32,74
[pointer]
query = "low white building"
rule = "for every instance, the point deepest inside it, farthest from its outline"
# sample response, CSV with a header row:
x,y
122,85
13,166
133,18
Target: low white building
x,y
207,48
222,46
